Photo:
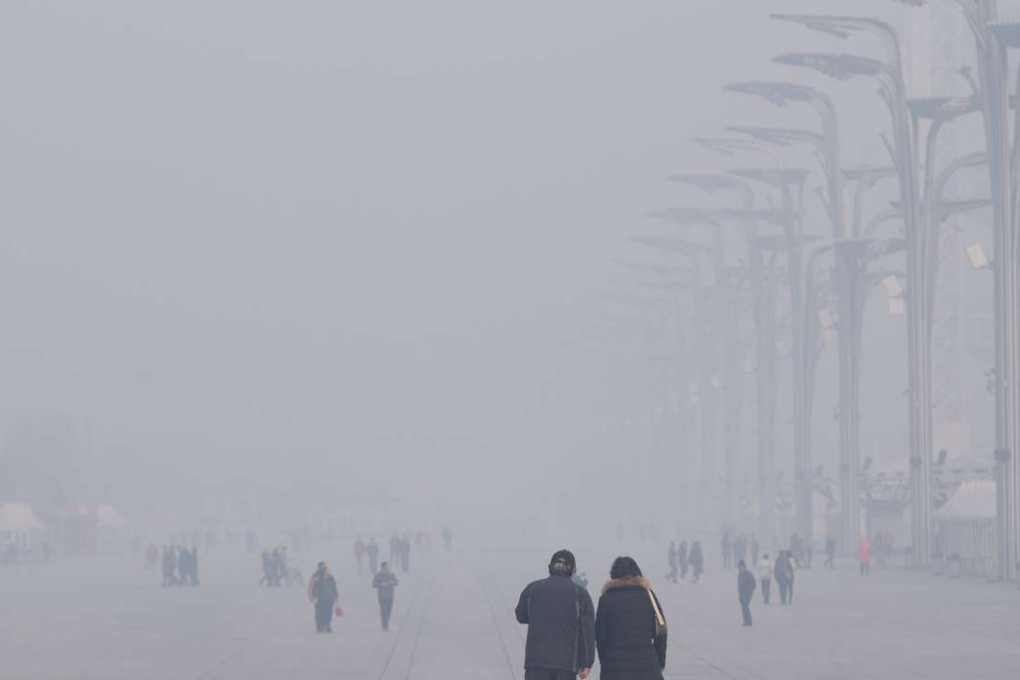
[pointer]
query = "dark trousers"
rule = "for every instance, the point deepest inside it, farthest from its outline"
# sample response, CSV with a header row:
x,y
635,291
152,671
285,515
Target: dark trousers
x,y
745,610
548,674
323,616
784,591
766,590
385,610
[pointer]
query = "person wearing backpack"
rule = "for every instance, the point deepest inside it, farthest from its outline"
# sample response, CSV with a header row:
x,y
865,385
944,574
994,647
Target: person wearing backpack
x,y
561,624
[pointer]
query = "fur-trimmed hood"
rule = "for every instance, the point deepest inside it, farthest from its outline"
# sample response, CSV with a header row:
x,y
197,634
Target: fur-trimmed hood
x,y
628,581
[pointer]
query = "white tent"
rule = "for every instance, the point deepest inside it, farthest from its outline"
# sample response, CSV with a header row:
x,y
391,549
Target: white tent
x,y
975,499
18,517
107,516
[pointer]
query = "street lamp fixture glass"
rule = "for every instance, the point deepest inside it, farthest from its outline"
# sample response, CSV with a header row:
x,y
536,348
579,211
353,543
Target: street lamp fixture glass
x,y
976,255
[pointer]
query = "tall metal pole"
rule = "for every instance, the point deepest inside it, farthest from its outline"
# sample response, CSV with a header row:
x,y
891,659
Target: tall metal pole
x,y
905,142
828,145
993,72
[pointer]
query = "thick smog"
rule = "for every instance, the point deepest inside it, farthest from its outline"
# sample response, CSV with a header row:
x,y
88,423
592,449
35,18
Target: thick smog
x,y
519,341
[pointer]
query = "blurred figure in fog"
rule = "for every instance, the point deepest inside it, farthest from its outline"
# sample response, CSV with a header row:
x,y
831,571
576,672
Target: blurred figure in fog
x,y
682,561
268,569
745,590
193,566
359,553
755,549
672,562
784,573
405,552
726,546
864,555
385,582
561,624
279,565
795,551
765,576
448,538
323,593
169,563
182,565
740,549
630,629
373,555
830,552
697,560
394,548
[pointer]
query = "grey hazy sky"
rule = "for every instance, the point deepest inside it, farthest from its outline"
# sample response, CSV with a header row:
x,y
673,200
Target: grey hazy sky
x,y
241,238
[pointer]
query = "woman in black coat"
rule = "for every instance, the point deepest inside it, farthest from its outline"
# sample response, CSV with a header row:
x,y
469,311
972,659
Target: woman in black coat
x,y
630,629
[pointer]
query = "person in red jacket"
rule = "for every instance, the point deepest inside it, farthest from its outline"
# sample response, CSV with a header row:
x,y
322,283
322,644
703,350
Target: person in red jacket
x,y
864,554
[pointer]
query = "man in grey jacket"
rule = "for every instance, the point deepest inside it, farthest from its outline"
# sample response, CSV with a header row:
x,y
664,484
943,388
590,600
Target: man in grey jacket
x,y
561,624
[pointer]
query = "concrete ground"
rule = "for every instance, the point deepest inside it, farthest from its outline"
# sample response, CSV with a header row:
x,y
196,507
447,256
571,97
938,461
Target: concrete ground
x,y
110,619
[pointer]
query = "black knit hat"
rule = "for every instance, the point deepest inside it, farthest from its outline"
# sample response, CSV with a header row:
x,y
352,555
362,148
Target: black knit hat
x,y
563,560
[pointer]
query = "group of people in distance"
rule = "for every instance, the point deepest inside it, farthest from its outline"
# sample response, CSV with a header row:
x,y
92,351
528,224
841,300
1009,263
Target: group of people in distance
x,y
178,564
683,559
276,569
400,550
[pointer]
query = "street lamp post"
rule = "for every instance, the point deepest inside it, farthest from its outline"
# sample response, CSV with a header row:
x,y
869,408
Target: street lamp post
x,y
764,285
827,145
993,39
918,232
790,183
728,315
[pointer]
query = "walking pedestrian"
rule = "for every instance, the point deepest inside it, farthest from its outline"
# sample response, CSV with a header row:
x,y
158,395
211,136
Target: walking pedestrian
x,y
726,546
830,552
697,560
745,590
864,555
169,562
789,570
373,555
783,574
765,576
561,624
755,550
323,593
672,562
681,558
630,628
385,582
193,566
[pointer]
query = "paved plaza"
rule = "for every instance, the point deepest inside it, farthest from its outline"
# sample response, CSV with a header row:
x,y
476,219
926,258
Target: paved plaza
x,y
109,619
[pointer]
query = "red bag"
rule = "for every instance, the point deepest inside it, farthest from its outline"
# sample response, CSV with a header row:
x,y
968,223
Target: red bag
x,y
338,611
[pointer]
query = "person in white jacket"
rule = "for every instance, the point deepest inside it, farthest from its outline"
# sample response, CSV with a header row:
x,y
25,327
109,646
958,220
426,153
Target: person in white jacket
x,y
765,577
